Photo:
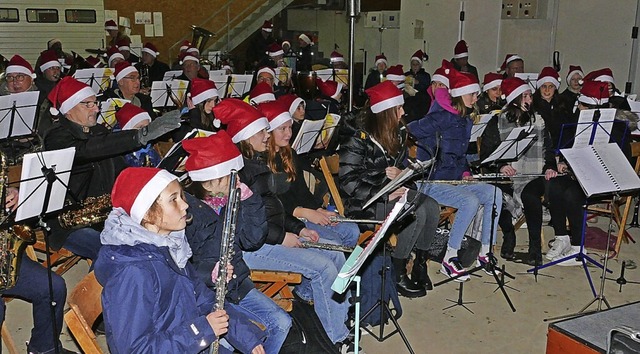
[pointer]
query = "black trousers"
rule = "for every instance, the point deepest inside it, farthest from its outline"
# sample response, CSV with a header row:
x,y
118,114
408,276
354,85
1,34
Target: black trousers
x,y
532,207
418,231
567,201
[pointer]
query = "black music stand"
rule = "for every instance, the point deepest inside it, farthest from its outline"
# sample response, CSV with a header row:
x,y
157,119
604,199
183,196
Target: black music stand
x,y
166,94
38,199
17,119
96,78
307,136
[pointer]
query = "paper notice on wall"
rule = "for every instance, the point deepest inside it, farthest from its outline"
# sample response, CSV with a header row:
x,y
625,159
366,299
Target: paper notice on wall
x,y
157,24
124,22
148,31
143,18
110,15
418,29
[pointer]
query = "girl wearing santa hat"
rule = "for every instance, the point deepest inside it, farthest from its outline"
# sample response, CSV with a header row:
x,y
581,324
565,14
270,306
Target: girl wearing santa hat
x,y
289,180
368,161
152,299
203,97
131,117
444,133
210,163
249,129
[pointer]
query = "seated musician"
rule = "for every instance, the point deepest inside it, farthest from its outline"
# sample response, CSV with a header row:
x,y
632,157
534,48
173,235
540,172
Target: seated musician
x,y
114,57
444,133
130,117
150,63
377,74
48,72
267,74
566,197
282,250
153,301
289,181
128,80
210,162
296,109
368,161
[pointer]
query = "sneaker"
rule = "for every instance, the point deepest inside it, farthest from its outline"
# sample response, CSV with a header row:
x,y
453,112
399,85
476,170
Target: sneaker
x,y
546,215
483,261
452,268
560,245
573,261
348,347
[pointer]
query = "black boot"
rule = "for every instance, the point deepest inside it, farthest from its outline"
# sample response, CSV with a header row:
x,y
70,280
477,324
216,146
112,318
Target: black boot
x,y
508,245
405,286
419,271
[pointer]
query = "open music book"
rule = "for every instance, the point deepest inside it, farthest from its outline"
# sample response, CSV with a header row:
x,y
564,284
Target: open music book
x,y
602,169
478,128
514,146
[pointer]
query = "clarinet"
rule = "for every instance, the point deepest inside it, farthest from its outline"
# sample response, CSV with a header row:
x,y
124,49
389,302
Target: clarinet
x,y
226,247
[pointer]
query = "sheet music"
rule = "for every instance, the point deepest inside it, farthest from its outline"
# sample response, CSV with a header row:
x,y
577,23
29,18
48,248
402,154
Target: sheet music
x,y
330,123
508,150
32,192
21,108
602,169
98,78
362,257
240,85
171,75
529,78
283,74
404,176
586,127
219,72
478,129
342,75
307,135
107,115
159,92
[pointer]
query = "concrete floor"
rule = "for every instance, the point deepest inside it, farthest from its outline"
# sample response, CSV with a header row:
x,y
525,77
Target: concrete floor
x,y
492,328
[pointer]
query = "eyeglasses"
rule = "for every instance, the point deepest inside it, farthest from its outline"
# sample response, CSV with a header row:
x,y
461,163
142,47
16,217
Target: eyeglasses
x,y
132,78
90,104
18,78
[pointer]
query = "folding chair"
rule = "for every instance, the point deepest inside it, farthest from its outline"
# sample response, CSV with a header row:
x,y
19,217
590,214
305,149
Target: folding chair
x,y
276,285
84,308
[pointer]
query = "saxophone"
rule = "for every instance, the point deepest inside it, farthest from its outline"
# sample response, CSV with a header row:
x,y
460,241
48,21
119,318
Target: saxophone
x,y
13,239
92,210
226,247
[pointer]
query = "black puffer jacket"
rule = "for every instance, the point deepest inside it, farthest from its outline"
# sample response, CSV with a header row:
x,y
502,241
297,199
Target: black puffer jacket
x,y
204,235
259,178
362,172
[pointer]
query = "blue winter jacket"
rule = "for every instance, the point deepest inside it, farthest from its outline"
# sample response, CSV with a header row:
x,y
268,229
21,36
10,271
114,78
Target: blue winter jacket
x,y
150,305
453,131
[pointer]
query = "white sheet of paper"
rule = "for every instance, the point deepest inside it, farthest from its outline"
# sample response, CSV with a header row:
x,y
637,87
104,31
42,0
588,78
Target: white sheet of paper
x,y
478,129
32,193
98,78
148,30
159,92
24,114
507,150
107,114
585,127
309,131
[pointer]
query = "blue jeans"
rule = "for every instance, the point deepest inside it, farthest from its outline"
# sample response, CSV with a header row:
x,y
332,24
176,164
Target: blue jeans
x,y
84,242
33,286
467,198
267,312
342,233
319,269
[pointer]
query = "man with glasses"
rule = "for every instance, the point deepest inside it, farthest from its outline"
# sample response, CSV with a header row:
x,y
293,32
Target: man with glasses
x,y
128,80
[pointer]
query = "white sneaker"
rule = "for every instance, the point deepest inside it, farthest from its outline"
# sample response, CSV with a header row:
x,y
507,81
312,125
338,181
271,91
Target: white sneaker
x,y
573,261
546,216
560,245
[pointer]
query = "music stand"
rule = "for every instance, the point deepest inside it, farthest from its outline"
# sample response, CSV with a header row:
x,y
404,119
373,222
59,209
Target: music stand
x,y
238,85
165,94
351,267
478,128
43,189
108,109
17,119
99,79
171,75
307,136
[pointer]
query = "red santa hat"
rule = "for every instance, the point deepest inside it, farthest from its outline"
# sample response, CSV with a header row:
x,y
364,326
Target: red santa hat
x,y
202,90
461,50
508,59
267,26
129,115
574,69
381,59
212,157
186,56
594,93
418,55
604,75
18,65
123,69
266,69
67,94
150,49
550,75
185,45
123,44
94,61
336,57
329,88
277,112
274,50
110,25
462,83
512,87
383,96
48,59
262,92
137,188
112,54
303,37
442,73
491,80
242,119
395,73
292,101
193,51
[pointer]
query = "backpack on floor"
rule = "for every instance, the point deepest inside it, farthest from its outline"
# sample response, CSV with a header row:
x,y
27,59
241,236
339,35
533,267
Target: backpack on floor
x,y
306,336
370,286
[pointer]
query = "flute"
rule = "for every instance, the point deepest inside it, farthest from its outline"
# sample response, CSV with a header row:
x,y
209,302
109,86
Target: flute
x,y
338,218
517,175
456,182
327,246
